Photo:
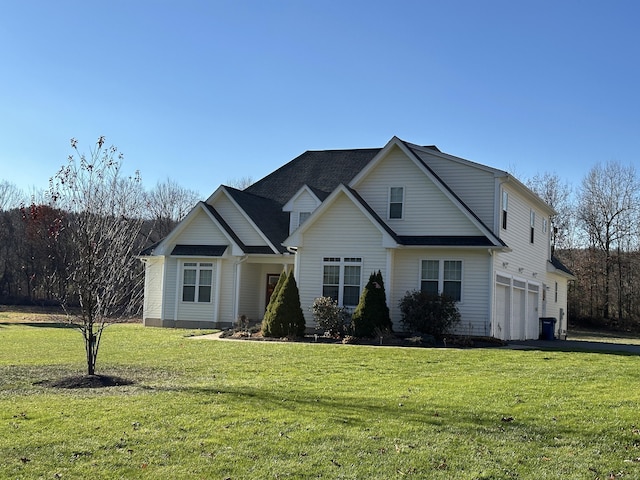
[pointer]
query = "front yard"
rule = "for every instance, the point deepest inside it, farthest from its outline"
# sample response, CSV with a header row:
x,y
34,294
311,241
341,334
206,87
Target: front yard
x,y
240,410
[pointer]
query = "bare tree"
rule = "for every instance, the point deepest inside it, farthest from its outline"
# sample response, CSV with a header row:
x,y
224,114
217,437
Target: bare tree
x,y
240,183
557,194
167,204
103,219
608,214
10,195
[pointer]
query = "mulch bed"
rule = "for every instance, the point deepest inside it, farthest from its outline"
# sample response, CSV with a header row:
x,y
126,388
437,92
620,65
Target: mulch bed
x,y
85,381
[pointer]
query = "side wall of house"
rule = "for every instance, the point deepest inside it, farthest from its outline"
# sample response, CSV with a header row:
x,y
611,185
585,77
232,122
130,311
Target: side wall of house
x,y
153,277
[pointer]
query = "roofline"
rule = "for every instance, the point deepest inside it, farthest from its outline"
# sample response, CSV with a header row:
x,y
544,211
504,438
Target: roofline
x,y
223,188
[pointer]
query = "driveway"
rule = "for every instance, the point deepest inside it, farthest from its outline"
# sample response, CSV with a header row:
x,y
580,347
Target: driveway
x,y
576,346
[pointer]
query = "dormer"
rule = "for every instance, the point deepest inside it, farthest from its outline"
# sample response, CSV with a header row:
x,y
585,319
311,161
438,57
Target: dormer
x,y
302,205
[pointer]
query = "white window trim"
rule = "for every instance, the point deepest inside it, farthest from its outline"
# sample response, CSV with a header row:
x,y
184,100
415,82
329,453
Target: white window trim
x,y
341,262
404,191
199,266
441,275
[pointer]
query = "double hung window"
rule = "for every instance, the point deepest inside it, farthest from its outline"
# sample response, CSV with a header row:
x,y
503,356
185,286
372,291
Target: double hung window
x,y
442,276
396,202
197,279
341,279
532,222
505,207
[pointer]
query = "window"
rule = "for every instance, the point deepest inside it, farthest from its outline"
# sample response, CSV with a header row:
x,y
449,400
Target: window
x,y
196,282
341,280
545,225
442,276
396,202
505,206
532,222
556,292
302,217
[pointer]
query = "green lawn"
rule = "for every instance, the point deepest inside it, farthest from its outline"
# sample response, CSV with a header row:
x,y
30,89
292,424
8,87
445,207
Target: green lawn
x,y
256,410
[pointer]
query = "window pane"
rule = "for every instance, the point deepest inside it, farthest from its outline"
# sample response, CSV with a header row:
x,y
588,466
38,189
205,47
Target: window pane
x,y
303,217
396,194
430,287
430,270
352,275
204,294
351,296
188,293
330,291
331,275
452,270
189,277
205,277
453,290
395,210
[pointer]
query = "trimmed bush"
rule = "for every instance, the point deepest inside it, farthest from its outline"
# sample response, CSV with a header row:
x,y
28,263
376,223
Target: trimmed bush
x,y
429,314
284,317
329,316
372,313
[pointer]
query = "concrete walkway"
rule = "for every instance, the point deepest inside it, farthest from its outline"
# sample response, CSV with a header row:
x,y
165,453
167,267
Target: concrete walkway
x,y
576,346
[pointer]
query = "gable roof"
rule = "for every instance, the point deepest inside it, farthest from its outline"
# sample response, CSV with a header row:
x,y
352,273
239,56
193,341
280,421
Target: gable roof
x,y
321,170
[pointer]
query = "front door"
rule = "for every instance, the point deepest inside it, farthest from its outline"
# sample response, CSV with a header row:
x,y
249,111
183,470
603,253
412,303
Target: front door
x,y
272,280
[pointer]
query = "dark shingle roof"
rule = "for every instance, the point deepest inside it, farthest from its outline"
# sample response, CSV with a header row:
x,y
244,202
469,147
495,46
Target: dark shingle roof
x,y
322,170
266,214
199,250
555,261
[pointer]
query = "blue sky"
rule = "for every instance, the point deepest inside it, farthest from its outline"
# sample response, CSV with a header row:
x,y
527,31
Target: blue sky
x,y
208,91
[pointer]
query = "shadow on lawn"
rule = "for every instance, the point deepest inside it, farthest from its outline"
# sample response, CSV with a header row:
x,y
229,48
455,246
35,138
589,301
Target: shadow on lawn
x,y
38,324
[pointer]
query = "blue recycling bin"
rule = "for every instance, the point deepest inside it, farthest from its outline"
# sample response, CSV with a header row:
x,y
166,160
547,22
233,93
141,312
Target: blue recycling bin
x,y
548,328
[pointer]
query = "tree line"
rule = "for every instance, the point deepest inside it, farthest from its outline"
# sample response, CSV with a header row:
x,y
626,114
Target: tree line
x,y
40,232
596,235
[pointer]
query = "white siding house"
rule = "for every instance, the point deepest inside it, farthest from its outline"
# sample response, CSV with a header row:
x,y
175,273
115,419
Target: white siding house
x,y
423,218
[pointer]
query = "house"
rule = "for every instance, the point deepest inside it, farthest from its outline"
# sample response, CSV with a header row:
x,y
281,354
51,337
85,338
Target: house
x,y
426,219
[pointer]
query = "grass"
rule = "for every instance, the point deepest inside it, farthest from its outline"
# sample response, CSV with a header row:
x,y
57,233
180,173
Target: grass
x,y
245,410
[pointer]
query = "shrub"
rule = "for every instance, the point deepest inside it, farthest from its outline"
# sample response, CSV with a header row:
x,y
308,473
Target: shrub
x,y
329,316
284,317
427,313
372,312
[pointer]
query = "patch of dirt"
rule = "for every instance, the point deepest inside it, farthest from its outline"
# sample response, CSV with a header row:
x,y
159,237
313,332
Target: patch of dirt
x,y
86,381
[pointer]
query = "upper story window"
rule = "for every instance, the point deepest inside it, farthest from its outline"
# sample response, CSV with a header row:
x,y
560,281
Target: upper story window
x,y
196,282
341,279
302,217
532,223
396,202
545,225
442,276
505,208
